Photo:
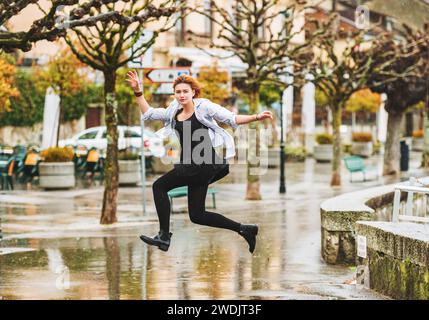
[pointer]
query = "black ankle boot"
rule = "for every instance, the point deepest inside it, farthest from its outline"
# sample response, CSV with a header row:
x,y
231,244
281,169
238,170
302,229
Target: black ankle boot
x,y
249,232
161,240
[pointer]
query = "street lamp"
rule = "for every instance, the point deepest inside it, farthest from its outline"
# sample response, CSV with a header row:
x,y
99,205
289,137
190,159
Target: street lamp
x,y
282,188
287,101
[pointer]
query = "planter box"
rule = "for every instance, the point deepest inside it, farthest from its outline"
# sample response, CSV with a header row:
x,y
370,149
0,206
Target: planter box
x,y
56,175
129,172
363,149
273,158
418,144
323,152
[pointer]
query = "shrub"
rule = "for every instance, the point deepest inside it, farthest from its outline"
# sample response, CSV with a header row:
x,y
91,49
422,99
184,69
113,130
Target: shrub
x,y
56,154
295,154
362,137
128,155
418,134
324,138
347,147
376,147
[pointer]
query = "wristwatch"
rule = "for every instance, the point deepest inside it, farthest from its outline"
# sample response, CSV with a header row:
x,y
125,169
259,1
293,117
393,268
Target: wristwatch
x,y
138,93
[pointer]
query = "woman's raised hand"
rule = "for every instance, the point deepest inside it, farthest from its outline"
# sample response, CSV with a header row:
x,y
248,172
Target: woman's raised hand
x,y
265,115
133,80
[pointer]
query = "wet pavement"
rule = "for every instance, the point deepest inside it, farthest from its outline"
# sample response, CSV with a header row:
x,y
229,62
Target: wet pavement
x,y
54,247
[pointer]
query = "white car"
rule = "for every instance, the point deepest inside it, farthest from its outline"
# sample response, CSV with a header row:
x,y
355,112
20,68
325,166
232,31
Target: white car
x,y
129,137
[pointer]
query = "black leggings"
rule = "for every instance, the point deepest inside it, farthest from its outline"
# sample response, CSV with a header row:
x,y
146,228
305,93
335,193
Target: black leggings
x,y
197,182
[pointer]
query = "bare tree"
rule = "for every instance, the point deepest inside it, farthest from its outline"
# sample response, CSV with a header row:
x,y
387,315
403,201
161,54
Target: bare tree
x,y
54,23
248,32
402,91
360,63
103,47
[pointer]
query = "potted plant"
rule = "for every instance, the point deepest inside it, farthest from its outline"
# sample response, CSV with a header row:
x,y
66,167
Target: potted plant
x,y
56,171
418,139
362,144
376,147
295,154
273,157
347,147
129,167
323,150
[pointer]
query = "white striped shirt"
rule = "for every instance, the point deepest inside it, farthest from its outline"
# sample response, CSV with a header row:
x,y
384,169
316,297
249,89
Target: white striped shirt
x,y
207,112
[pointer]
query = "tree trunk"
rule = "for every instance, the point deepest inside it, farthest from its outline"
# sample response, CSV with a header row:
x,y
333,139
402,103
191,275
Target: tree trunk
x,y
329,120
409,125
253,151
108,214
425,128
336,161
392,148
273,125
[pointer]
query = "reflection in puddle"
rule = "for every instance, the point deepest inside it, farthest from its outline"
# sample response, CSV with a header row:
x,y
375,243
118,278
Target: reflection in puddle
x,y
202,262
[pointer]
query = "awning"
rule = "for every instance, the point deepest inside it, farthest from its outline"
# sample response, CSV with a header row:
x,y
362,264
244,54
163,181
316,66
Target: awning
x,y
199,58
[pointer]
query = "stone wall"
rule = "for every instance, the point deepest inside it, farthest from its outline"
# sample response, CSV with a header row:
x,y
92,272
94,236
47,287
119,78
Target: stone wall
x,y
395,259
338,238
339,216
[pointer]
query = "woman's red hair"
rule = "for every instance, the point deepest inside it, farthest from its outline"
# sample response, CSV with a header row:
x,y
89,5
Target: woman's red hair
x,y
188,80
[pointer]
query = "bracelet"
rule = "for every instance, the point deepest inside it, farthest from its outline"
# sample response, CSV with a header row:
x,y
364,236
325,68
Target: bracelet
x,y
138,93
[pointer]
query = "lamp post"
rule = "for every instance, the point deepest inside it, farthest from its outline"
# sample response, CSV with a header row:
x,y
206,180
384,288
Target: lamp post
x,y
286,107
282,188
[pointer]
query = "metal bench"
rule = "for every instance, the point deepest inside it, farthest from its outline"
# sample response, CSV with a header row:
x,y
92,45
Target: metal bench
x,y
356,164
183,192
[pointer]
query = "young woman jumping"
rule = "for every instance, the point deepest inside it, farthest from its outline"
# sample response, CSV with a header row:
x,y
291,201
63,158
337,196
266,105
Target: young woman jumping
x,y
193,120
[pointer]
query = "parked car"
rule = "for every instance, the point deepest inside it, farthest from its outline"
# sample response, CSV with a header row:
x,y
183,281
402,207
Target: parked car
x,y
129,137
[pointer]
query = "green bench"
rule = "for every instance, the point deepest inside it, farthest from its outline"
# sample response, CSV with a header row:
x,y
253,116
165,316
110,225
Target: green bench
x,y
356,164
183,192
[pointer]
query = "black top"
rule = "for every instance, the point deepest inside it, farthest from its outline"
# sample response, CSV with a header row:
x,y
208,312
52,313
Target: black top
x,y
205,153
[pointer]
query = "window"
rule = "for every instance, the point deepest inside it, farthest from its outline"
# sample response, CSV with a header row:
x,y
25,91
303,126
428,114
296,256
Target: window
x,y
261,32
89,135
131,134
236,6
180,27
104,135
208,23
390,23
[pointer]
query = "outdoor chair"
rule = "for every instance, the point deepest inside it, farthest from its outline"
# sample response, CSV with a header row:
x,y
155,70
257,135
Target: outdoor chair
x,y
20,153
6,175
357,164
94,163
79,160
31,167
183,192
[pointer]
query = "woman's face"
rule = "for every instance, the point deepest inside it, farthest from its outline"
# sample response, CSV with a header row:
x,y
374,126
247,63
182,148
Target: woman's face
x,y
183,93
